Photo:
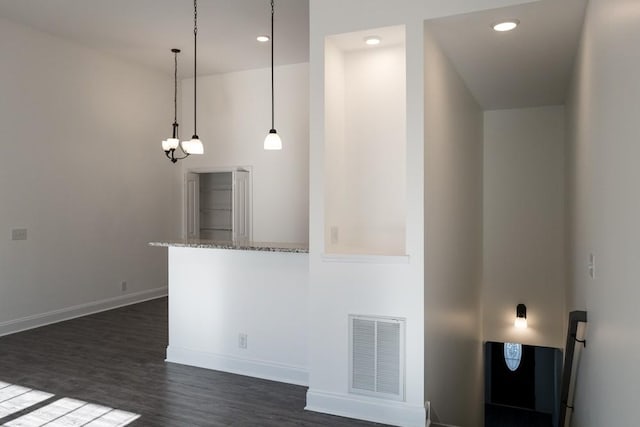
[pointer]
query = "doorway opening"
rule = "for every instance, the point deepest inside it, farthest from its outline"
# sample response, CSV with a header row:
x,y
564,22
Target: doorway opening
x,y
218,204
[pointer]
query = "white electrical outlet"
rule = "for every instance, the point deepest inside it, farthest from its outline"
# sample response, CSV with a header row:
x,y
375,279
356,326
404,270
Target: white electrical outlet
x,y
19,234
242,340
123,286
592,266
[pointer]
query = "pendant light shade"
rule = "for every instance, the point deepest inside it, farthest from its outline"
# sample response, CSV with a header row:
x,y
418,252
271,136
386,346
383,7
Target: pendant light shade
x,y
272,141
170,144
194,145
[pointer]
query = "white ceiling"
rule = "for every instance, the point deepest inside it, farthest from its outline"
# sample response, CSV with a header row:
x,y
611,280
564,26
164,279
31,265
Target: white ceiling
x,y
530,66
144,31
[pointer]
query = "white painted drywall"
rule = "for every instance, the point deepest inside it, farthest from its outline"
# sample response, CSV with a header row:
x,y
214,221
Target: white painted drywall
x,y
234,116
335,191
365,186
216,294
339,289
453,242
82,170
370,287
604,207
524,225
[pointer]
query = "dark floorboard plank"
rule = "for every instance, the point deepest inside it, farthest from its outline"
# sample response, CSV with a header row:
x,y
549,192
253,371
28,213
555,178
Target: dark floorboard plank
x,y
116,358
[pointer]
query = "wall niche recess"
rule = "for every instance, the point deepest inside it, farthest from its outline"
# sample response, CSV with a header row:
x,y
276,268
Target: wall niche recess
x,y
365,143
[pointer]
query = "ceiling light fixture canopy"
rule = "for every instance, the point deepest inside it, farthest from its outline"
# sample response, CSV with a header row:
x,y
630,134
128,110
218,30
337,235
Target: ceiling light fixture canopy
x,y
263,38
272,141
507,25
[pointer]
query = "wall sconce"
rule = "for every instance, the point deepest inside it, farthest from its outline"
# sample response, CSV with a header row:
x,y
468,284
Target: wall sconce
x,y
521,316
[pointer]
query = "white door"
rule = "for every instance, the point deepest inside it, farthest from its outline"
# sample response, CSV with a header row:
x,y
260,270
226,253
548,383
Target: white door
x,y
192,214
241,206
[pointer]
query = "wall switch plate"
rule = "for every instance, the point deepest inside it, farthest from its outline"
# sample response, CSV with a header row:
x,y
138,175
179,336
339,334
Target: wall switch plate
x,y
242,340
19,234
334,235
592,266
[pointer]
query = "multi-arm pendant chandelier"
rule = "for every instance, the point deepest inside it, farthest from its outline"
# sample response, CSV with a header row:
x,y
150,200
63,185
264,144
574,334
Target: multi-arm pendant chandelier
x,y
170,145
194,145
272,141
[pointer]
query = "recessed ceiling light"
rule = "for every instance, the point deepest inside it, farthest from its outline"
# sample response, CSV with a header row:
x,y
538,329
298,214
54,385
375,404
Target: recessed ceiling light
x,y
372,40
506,25
263,38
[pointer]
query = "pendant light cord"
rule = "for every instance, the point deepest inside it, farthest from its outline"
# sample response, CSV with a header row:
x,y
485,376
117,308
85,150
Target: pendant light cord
x,y
175,93
272,91
175,85
195,62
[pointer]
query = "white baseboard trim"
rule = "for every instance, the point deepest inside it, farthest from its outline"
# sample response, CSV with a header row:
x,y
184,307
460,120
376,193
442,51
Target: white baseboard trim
x,y
367,408
68,313
235,365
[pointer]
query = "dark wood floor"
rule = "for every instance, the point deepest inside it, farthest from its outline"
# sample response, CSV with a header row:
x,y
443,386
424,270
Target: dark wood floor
x,y
504,416
116,358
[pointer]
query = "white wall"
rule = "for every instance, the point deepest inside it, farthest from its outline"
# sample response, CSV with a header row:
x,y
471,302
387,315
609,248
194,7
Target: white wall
x,y
83,171
524,225
234,116
335,190
603,177
368,286
377,288
260,294
453,242
365,186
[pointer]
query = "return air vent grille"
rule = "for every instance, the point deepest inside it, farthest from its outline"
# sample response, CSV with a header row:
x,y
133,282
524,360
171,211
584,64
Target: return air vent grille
x,y
376,356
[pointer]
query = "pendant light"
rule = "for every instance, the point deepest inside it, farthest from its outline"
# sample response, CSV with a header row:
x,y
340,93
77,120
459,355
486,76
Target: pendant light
x,y
170,145
194,145
272,141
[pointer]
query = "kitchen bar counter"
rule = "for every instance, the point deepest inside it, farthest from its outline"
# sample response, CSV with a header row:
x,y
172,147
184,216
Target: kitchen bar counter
x,y
242,246
239,307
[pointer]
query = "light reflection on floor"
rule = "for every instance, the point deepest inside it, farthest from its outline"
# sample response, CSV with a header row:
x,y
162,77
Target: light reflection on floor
x,y
64,412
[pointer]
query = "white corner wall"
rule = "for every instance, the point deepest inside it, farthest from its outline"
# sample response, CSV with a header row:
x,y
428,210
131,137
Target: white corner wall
x,y
83,171
453,242
234,116
523,219
335,192
379,288
604,207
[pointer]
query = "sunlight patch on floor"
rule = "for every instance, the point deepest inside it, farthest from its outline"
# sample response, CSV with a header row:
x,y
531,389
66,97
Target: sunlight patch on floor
x,y
15,398
65,412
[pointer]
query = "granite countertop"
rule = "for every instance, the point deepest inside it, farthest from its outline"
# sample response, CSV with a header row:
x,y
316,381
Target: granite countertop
x,y
241,246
